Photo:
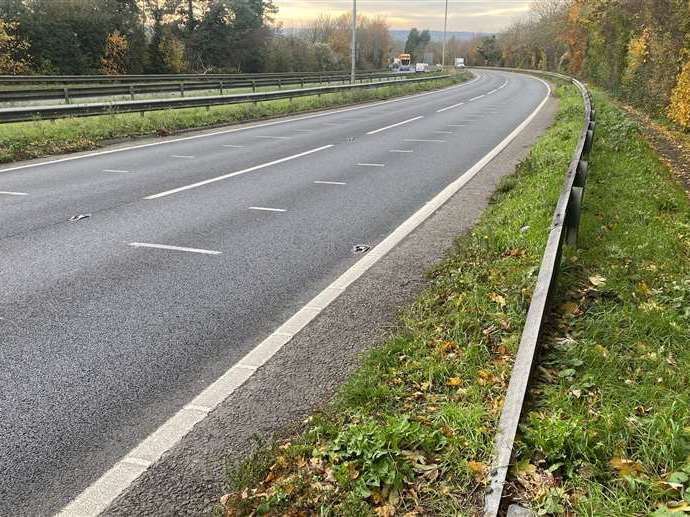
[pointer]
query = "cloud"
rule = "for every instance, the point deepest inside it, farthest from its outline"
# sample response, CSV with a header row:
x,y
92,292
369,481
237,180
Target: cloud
x,y
463,15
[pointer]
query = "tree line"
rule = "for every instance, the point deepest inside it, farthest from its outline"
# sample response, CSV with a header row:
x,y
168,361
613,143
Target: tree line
x,y
637,49
111,37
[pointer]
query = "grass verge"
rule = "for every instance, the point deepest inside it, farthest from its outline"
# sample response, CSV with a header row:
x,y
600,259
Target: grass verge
x,y
608,429
27,140
413,429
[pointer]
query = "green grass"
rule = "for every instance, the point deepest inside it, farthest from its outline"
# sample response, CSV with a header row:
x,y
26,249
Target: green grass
x,y
608,428
29,140
413,429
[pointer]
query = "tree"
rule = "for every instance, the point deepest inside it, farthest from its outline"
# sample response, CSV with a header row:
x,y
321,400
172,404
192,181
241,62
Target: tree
x,y
114,62
679,107
13,50
489,50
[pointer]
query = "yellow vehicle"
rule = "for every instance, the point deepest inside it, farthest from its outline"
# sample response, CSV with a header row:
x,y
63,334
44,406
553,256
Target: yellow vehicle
x,y
405,62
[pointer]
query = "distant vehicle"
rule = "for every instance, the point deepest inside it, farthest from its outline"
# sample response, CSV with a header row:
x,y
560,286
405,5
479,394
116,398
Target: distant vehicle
x,y
421,67
459,62
405,62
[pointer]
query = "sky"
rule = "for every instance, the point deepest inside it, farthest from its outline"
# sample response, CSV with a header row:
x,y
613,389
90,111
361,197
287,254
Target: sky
x,y
463,15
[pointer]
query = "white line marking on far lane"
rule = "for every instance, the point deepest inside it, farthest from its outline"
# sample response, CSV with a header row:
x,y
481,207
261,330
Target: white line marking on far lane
x,y
422,140
5,193
371,164
116,171
450,107
99,495
265,209
182,157
401,151
330,183
273,137
233,174
477,98
231,146
173,248
394,125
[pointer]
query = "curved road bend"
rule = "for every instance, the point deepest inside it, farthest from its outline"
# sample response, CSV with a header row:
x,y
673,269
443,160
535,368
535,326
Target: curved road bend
x,y
111,323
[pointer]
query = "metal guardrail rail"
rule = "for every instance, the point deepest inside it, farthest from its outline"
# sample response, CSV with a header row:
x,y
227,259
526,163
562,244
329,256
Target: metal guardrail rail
x,y
68,93
84,79
31,113
564,229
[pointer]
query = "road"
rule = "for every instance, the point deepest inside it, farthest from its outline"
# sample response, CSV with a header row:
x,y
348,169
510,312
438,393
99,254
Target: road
x,y
194,250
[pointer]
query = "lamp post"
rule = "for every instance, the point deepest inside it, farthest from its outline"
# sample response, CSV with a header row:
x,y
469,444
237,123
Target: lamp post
x,y
354,41
445,29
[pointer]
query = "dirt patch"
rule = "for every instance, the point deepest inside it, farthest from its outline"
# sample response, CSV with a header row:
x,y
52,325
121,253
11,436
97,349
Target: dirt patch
x,y
672,146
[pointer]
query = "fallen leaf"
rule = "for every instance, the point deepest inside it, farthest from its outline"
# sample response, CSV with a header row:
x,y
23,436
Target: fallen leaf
x,y
387,510
498,299
454,381
597,280
626,467
479,469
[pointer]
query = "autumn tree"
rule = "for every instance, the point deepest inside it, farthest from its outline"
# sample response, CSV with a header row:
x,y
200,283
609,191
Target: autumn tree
x,y
13,50
114,62
679,107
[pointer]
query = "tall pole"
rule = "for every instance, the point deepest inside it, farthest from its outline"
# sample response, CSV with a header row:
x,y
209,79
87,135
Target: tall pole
x,y
354,41
445,30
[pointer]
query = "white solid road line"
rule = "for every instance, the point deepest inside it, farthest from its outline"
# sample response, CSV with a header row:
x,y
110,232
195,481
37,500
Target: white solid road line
x,y
457,125
266,209
173,248
401,151
371,164
423,140
272,137
102,492
394,125
330,183
238,173
326,113
492,92
115,170
477,98
6,193
450,107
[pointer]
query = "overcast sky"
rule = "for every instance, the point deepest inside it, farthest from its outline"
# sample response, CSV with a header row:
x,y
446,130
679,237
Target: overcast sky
x,y
463,15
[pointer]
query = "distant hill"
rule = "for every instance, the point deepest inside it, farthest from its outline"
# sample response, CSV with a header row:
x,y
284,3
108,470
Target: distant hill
x,y
401,35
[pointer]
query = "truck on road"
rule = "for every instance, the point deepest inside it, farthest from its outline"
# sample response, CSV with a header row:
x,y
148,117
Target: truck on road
x,y
459,62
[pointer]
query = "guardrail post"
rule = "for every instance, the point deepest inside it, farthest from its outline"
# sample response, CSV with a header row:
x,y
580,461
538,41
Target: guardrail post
x,y
572,216
221,87
182,89
588,142
131,92
581,174
280,84
67,100
253,86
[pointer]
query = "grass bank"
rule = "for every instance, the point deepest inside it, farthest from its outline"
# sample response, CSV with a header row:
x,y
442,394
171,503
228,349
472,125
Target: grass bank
x,y
413,429
29,140
608,428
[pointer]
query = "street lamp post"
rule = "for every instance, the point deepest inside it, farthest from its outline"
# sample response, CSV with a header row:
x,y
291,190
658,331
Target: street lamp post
x,y
354,41
445,30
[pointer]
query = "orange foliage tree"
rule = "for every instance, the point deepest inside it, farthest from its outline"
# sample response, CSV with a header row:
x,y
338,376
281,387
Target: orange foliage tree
x,y
114,61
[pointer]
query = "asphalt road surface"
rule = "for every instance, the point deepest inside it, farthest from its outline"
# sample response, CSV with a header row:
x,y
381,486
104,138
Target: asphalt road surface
x,y
134,278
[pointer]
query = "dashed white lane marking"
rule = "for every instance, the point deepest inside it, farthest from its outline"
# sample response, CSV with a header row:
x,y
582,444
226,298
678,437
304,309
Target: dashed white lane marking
x,y
457,125
100,494
444,132
182,156
394,125
6,193
371,164
492,92
173,248
267,137
266,209
327,113
423,140
477,98
401,151
304,130
330,183
238,173
116,170
450,107
232,146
